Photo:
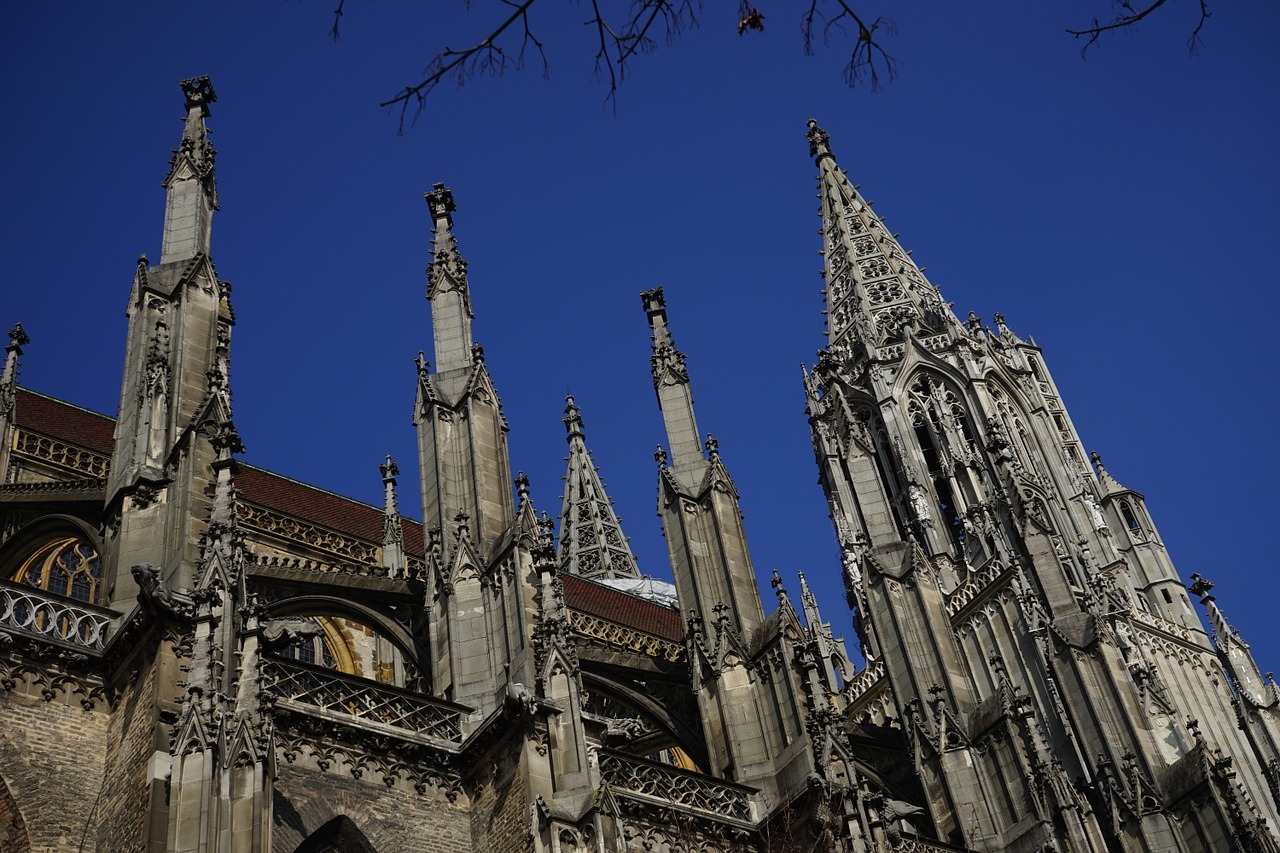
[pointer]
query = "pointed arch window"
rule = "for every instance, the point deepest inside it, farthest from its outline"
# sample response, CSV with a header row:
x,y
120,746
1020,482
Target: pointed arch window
x,y
67,566
1130,520
942,431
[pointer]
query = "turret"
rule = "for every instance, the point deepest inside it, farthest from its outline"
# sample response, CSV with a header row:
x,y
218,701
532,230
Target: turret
x,y
697,500
462,435
177,365
479,561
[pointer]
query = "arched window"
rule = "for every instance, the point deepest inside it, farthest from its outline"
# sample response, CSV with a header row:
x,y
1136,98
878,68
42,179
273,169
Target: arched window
x,y
312,650
1130,520
353,648
67,566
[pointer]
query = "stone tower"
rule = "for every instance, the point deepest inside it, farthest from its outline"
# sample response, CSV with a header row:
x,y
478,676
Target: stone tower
x,y
1028,641
198,655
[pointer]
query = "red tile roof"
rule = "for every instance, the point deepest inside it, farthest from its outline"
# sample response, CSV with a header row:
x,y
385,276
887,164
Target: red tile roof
x,y
623,608
66,422
95,432
316,505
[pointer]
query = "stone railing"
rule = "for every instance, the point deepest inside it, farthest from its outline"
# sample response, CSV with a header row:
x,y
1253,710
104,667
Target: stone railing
x,y
33,611
662,784
61,454
857,686
974,585
361,698
908,843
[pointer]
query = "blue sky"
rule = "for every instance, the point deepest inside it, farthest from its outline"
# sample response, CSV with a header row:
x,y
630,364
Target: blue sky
x,y
1122,210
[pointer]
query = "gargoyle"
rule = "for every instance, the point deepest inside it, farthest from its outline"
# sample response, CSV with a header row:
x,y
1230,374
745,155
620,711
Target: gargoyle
x,y
156,594
521,698
624,730
278,633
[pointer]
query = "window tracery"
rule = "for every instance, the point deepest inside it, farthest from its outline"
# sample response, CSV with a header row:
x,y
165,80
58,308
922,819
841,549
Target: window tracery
x,y
67,566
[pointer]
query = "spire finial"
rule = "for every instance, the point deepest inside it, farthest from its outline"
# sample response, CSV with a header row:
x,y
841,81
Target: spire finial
x,y
522,487
572,418
198,92
192,195
440,201
9,378
17,339
819,140
389,470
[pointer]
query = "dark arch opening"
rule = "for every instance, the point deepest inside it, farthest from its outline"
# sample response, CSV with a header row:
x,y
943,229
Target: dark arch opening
x,y
384,626
339,835
13,829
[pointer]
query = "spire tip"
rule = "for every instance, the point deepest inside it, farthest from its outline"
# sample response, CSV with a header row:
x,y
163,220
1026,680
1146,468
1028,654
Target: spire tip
x,y
198,92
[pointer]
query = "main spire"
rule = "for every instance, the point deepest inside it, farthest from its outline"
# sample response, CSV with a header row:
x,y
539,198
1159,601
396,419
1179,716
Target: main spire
x,y
591,540
875,293
192,188
447,287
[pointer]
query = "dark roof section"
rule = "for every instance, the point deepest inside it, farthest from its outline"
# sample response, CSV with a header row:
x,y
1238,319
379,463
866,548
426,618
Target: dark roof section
x,y
622,607
96,432
335,512
64,421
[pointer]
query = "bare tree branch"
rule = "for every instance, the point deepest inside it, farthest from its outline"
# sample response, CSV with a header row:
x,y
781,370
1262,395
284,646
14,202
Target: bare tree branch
x,y
620,36
334,32
484,58
868,56
1128,16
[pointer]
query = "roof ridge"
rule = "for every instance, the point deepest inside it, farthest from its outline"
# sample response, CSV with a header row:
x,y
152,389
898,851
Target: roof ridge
x,y
22,389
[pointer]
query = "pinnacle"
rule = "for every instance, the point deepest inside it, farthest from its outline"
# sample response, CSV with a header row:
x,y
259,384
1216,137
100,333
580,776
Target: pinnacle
x,y
592,543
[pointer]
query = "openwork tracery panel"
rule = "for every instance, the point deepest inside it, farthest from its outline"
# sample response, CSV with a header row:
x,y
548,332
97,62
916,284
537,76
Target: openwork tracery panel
x,y
667,785
68,566
361,698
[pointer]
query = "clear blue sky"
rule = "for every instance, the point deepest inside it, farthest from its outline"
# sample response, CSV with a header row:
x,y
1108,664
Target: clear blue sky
x,y
1122,210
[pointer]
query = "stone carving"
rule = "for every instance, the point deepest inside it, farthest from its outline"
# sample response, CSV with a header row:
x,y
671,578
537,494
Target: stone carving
x,y
279,633
156,594
920,508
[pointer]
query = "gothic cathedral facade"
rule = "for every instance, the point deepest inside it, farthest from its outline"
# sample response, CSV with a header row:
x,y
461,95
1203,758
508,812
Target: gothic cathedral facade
x,y
201,656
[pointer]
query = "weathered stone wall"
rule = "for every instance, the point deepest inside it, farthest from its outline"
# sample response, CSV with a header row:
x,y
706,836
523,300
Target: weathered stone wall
x,y
126,791
13,829
395,819
500,814
51,758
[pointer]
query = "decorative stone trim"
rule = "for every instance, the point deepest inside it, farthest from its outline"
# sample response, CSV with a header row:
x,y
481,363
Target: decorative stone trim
x,y
306,533
622,637
861,683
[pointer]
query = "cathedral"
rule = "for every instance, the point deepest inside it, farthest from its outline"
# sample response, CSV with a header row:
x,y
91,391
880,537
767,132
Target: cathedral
x,y
199,655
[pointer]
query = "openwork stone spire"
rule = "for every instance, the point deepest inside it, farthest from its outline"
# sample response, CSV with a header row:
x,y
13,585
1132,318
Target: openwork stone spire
x,y
591,540
447,287
192,188
875,292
